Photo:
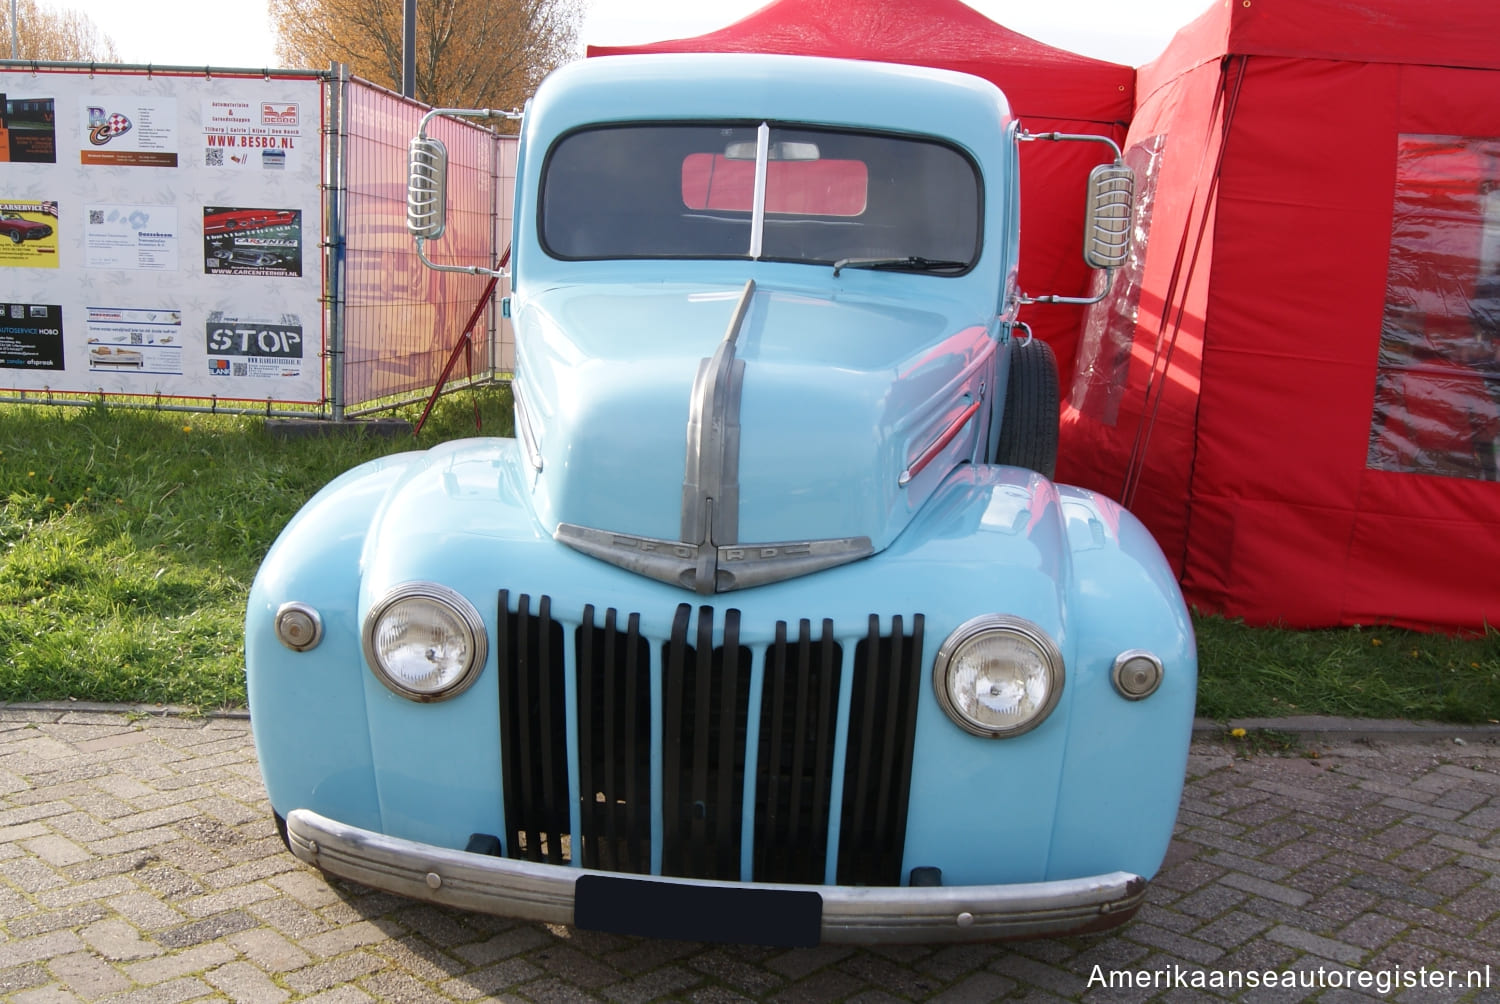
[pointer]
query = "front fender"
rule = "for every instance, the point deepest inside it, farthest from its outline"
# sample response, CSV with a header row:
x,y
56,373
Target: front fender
x,y
307,709
1126,759
1099,781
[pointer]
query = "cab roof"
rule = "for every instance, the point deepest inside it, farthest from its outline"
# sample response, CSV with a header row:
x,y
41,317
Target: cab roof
x,y
756,87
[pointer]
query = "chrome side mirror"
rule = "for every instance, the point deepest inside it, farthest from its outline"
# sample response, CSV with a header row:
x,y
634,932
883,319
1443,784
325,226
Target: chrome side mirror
x,y
426,188
1107,218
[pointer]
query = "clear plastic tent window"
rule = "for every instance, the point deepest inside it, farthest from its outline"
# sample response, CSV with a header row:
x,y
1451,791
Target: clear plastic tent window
x,y
1437,387
1109,326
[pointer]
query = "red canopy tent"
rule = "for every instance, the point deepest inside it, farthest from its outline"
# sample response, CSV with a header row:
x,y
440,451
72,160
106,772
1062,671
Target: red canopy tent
x,y
1049,89
1296,382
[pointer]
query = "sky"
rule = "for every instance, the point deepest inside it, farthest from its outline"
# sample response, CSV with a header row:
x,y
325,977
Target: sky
x,y
239,33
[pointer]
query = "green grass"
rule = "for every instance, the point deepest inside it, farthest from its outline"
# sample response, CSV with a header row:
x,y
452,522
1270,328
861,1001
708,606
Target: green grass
x,y
1362,672
129,538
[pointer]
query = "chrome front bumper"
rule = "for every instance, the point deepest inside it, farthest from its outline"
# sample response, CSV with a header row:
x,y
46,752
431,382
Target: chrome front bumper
x,y
863,915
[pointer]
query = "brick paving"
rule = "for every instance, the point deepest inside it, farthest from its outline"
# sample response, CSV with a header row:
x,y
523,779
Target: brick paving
x,y
138,863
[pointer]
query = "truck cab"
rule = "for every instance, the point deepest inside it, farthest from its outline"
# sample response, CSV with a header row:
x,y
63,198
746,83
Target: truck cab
x,y
769,625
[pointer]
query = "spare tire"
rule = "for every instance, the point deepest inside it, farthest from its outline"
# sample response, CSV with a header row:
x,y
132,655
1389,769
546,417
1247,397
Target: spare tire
x,y
1028,426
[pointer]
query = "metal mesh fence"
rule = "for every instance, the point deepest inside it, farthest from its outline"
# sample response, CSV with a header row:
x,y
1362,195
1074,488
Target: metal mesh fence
x,y
400,319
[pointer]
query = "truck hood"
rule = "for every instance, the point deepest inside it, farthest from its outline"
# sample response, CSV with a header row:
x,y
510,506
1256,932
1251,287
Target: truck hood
x,y
793,440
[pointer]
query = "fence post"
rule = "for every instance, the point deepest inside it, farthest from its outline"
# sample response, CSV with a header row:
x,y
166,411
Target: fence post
x,y
497,242
335,186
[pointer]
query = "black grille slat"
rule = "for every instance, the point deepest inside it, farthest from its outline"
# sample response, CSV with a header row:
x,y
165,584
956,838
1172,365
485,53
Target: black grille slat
x,y
591,812
613,770
862,738
703,664
673,681
729,738
799,717
908,732
523,747
533,731
770,837
637,782
831,663
888,747
703,710
545,752
882,730
611,760
703,752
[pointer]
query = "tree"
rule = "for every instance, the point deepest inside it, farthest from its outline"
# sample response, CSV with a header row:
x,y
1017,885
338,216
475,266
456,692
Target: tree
x,y
470,53
51,34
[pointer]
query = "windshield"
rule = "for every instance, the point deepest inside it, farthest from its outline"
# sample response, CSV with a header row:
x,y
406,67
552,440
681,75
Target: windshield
x,y
758,191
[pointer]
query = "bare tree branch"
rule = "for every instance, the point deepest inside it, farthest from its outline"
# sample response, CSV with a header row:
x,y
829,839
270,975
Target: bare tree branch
x,y
470,53
61,34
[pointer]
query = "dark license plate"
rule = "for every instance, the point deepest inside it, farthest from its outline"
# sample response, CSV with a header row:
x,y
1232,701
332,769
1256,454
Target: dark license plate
x,y
785,918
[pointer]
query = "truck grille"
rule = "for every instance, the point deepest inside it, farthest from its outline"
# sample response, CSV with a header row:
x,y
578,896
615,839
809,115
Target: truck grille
x,y
707,719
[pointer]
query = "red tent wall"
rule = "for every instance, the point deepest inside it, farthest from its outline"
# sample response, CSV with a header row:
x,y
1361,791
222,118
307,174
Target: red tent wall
x,y
1130,424
1260,478
1049,89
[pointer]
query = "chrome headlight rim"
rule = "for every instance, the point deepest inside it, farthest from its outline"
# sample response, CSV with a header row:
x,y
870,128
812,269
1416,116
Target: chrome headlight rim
x,y
455,602
1008,623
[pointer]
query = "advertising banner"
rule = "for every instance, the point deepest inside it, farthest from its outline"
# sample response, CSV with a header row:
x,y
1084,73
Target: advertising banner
x,y
27,135
161,234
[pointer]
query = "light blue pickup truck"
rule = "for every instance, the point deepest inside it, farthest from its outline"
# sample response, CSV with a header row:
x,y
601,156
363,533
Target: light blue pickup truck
x,y
769,626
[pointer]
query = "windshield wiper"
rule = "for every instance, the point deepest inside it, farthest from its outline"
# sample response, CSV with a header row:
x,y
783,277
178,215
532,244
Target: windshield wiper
x,y
913,263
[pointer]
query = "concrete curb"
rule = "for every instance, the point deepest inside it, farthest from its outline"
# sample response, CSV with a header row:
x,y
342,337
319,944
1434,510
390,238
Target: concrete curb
x,y
130,710
1309,728
1332,729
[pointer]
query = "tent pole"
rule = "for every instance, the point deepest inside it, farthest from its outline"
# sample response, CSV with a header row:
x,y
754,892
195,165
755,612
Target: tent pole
x,y
1168,330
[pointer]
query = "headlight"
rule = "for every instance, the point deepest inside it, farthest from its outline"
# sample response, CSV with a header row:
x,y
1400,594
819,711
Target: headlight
x,y
425,641
998,676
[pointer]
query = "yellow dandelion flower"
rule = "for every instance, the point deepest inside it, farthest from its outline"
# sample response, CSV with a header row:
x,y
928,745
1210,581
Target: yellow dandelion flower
x,y
1376,642
187,428
31,474
1237,733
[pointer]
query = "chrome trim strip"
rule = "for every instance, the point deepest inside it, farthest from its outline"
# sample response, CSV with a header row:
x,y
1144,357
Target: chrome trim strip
x,y
523,426
861,915
936,446
744,565
732,566
669,561
758,201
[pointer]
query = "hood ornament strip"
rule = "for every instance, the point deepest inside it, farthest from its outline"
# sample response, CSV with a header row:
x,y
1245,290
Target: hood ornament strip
x,y
710,484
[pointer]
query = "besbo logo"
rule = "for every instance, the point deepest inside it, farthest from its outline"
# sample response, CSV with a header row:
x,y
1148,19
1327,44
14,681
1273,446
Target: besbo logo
x,y
278,114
